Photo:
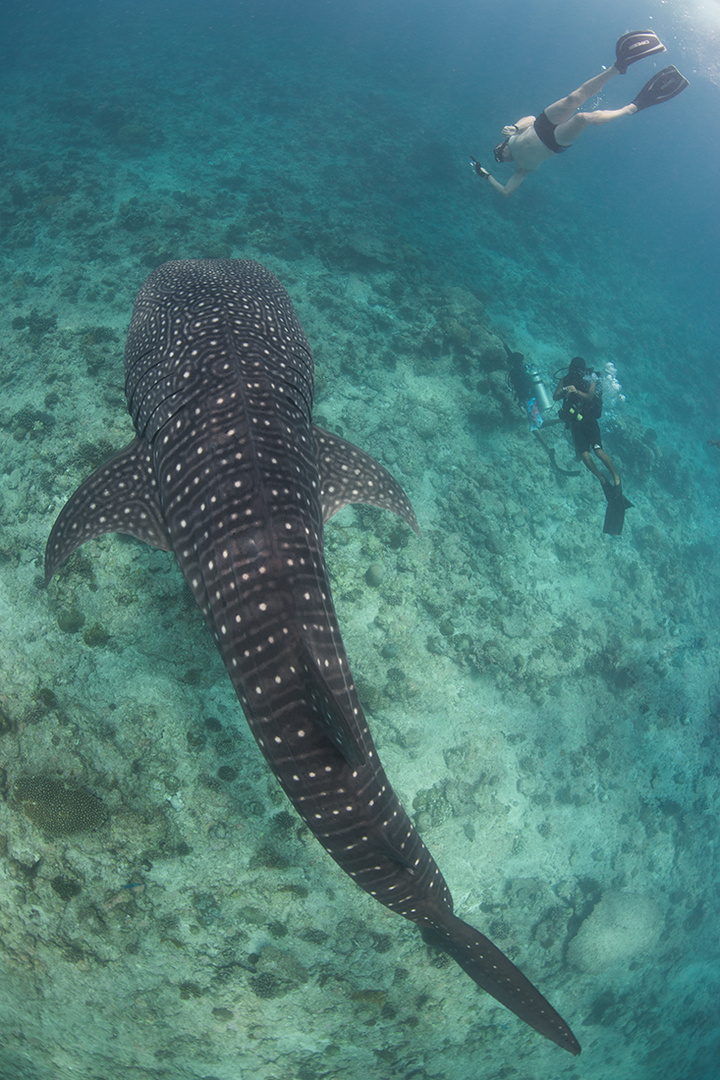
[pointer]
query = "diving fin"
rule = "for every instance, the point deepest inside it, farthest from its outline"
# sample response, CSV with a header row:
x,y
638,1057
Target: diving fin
x,y
549,450
634,46
617,504
663,86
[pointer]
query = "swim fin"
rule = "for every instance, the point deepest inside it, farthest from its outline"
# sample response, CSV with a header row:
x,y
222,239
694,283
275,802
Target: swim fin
x,y
551,454
634,46
663,86
617,504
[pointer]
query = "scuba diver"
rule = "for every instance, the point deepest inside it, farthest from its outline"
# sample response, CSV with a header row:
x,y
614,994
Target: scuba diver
x,y
526,383
532,140
581,392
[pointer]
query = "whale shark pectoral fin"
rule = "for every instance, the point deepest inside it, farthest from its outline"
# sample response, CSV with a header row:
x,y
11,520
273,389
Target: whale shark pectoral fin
x,y
330,715
349,475
121,496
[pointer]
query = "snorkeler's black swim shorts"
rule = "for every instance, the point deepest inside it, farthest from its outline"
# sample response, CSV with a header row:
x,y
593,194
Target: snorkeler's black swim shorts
x,y
545,131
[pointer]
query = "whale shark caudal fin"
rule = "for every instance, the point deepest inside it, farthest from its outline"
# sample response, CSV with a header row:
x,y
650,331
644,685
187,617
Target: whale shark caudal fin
x,y
495,973
121,496
349,475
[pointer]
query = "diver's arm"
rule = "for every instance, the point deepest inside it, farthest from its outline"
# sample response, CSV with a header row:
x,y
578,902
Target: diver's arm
x,y
587,395
559,391
584,395
505,189
512,185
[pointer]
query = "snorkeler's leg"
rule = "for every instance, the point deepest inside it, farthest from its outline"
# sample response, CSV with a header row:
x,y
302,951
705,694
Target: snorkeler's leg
x,y
567,133
562,110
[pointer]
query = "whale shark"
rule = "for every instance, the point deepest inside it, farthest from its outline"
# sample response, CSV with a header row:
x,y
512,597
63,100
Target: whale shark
x,y
229,473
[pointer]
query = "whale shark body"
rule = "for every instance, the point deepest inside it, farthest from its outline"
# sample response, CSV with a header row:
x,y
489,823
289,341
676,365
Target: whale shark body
x,y
228,472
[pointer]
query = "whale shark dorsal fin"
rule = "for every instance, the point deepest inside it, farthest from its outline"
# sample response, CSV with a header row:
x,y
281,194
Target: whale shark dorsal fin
x,y
349,475
330,715
121,496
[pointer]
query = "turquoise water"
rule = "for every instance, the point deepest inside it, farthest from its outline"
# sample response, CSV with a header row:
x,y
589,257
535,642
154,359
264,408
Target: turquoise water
x,y
545,698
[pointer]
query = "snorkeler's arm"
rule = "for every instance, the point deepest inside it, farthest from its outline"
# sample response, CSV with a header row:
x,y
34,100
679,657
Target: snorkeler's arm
x,y
512,185
522,125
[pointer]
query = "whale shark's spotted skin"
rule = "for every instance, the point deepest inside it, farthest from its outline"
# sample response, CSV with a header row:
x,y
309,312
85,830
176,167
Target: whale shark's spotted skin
x,y
229,473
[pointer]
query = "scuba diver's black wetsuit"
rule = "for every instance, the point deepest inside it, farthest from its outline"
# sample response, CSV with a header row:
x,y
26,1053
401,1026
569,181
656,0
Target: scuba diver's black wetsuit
x,y
580,411
582,416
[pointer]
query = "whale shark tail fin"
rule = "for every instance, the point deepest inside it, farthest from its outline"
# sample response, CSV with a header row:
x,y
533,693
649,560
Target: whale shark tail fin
x,y
497,975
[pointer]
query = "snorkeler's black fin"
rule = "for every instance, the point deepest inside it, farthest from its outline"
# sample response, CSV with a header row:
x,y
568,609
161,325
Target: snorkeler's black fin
x,y
667,84
617,504
634,46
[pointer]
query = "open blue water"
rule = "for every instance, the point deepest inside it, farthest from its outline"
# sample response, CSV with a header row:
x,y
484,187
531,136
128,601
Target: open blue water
x,y
545,698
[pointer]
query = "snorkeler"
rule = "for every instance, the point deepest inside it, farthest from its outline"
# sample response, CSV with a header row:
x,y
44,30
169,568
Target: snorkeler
x,y
581,390
533,140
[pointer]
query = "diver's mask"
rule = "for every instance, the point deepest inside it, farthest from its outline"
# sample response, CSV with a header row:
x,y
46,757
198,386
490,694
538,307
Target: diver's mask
x,y
498,152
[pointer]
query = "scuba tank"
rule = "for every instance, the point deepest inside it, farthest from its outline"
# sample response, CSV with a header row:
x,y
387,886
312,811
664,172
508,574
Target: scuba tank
x,y
525,381
541,395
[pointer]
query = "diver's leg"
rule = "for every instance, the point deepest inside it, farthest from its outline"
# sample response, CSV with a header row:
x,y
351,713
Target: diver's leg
x,y
590,464
567,133
607,463
562,110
